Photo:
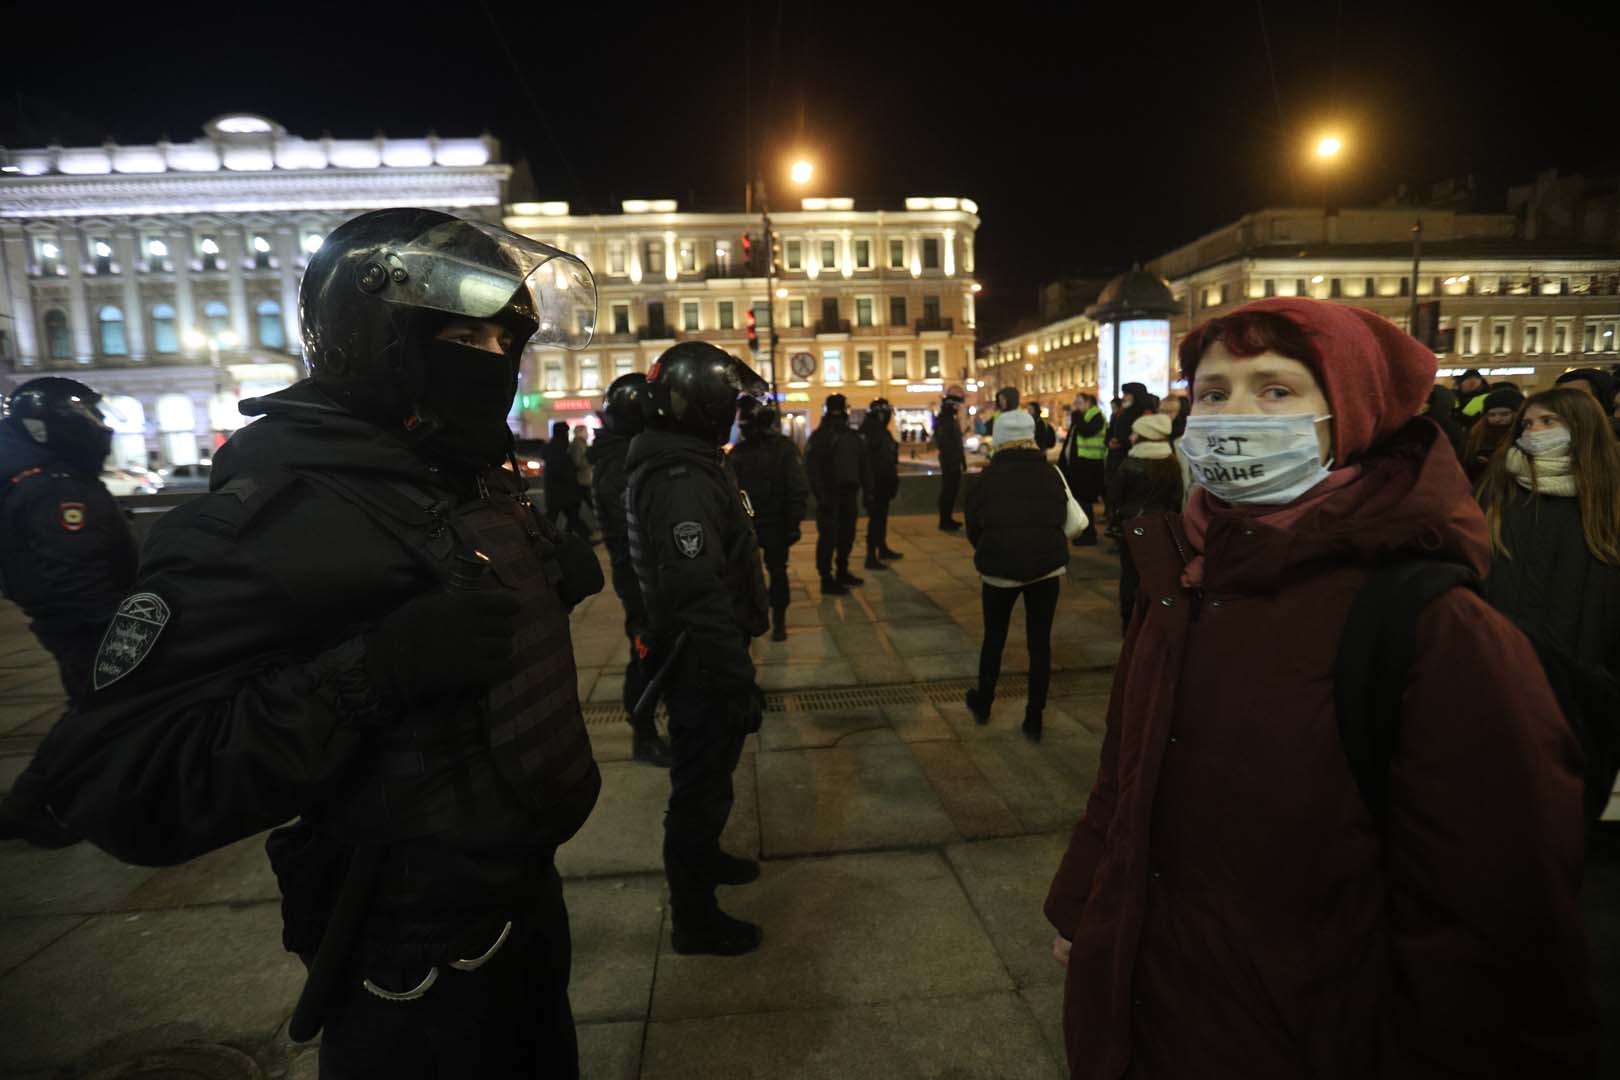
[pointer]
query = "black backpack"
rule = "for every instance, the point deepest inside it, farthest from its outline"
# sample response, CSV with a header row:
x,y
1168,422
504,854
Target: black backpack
x,y
1378,646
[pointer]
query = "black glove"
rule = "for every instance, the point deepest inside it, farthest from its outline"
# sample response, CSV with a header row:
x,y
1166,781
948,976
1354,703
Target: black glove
x,y
441,643
747,709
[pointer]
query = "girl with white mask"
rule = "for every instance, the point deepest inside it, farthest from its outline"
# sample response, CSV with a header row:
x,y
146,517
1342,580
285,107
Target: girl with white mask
x,y
1231,905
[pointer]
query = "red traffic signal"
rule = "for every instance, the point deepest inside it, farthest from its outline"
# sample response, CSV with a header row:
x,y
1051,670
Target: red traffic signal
x,y
753,333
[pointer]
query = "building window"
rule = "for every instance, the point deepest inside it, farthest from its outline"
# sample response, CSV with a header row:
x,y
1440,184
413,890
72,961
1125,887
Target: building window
x,y
590,373
1226,293
863,254
623,365
261,252
899,365
1369,287
113,341
796,314
688,257
1470,344
689,316
832,365
1335,287
208,254
621,318
101,253
1561,338
1499,338
1532,338
653,256
217,317
897,311
1406,287
863,311
551,376
866,365
655,319
616,257
156,253
722,256
1271,287
165,336
272,331
726,315
930,253
793,255
1589,337
48,256
931,315
829,254
1609,337
58,345
931,364
897,254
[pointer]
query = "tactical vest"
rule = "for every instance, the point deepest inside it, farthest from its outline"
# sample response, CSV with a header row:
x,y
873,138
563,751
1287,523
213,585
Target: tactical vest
x,y
515,766
1092,447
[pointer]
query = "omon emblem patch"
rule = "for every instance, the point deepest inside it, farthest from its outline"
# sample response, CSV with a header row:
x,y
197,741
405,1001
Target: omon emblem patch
x,y
689,538
134,630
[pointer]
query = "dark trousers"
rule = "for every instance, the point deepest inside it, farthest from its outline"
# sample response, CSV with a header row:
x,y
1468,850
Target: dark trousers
x,y
776,560
1086,481
877,526
1040,605
706,744
509,1018
835,531
950,483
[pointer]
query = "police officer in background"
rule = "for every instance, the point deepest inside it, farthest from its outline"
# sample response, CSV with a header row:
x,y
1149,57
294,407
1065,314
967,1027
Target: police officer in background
x,y
839,471
622,421
771,477
952,456
698,563
364,625
884,455
66,554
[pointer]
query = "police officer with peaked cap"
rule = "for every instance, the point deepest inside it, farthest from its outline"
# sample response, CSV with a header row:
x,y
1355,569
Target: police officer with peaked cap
x,y
696,557
66,554
364,625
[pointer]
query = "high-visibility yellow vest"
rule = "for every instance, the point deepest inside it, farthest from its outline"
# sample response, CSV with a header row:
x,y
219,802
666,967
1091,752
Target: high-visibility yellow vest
x,y
1092,447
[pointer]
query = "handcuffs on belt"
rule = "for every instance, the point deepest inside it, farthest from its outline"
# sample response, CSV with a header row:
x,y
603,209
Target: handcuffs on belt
x,y
432,976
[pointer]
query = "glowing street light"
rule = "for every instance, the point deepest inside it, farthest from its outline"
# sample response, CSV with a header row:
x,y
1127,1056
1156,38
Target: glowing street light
x,y
1328,147
801,172
229,340
195,339
1028,366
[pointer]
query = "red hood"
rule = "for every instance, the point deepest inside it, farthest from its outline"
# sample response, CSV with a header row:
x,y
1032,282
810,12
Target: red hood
x,y
1411,500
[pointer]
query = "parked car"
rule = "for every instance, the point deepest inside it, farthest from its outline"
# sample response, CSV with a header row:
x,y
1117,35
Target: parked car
x,y
531,455
130,481
193,477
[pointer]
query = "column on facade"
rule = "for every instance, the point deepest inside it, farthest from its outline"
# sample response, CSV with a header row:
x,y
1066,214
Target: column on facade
x,y
17,285
234,249
78,303
126,245
948,253
185,310
286,247
847,258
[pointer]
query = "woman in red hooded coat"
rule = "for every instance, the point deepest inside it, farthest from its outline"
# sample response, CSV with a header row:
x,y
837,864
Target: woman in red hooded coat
x,y
1228,906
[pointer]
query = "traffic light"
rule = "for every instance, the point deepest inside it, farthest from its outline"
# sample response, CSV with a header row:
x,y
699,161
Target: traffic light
x,y
747,252
753,332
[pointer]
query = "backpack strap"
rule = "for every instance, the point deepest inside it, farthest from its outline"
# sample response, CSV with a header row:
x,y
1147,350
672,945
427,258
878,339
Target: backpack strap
x,y
1376,651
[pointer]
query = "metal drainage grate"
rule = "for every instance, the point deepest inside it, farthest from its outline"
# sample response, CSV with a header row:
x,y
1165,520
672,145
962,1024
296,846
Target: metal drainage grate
x,y
852,698
193,1061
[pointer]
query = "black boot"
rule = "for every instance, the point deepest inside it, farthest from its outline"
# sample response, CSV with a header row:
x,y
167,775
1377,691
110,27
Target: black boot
x,y
779,624
714,933
872,562
885,553
979,707
32,822
832,587
734,870
847,579
648,746
1032,725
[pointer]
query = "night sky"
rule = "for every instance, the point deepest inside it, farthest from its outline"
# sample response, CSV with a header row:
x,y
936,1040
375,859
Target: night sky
x,y
1090,135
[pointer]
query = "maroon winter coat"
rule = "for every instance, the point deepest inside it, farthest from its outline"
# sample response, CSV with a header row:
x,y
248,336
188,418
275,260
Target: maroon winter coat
x,y
1232,907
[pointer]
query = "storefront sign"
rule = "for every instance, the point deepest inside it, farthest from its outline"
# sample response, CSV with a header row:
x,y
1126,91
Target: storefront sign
x,y
925,388
573,404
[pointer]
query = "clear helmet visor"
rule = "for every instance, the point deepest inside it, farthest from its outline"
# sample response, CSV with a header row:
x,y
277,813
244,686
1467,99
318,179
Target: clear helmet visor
x,y
474,270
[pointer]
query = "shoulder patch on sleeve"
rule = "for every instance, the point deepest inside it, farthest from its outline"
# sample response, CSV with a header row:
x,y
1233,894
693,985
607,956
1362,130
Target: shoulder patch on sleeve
x,y
689,538
130,637
71,516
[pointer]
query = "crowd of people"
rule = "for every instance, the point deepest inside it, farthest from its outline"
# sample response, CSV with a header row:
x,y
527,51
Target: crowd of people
x,y
1364,716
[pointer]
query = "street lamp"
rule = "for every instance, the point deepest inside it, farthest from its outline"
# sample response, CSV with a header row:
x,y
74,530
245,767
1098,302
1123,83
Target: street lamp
x,y
1328,147
802,171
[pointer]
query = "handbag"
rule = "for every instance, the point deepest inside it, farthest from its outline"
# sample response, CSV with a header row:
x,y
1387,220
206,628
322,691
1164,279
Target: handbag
x,y
1074,519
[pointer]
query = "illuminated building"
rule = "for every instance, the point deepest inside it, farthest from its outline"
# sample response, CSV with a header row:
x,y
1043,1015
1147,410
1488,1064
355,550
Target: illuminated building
x,y
167,276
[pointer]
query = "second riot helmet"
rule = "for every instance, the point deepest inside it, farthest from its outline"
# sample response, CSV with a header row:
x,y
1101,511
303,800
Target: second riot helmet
x,y
621,406
64,416
693,388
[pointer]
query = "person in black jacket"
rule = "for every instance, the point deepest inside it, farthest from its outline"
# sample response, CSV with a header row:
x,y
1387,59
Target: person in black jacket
x,y
1497,416
771,476
1148,482
364,626
1133,402
622,421
884,454
1081,459
66,554
563,494
838,469
952,456
1045,436
1015,522
1441,408
698,563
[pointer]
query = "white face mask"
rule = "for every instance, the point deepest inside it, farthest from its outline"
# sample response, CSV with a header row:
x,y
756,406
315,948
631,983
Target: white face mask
x,y
1255,460
1548,442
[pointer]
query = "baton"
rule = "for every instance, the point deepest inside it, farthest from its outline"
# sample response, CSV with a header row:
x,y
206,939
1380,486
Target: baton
x,y
337,943
647,703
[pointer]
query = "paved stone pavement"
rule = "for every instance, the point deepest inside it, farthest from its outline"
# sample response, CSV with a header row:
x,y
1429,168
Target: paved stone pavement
x,y
906,852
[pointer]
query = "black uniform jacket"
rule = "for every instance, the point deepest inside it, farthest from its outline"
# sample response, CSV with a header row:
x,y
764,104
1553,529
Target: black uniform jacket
x,y
836,459
769,470
884,455
696,557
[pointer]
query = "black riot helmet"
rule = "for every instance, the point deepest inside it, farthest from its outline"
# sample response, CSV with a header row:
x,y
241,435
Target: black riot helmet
x,y
882,410
693,388
836,403
621,406
384,283
757,417
65,417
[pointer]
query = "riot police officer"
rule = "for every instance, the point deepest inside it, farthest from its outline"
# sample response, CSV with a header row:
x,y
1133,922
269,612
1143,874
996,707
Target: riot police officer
x,y
364,625
883,453
839,471
698,564
952,456
66,554
771,477
622,421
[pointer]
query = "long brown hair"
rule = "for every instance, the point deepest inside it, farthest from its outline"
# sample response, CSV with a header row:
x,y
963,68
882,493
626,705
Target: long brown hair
x,y
1594,463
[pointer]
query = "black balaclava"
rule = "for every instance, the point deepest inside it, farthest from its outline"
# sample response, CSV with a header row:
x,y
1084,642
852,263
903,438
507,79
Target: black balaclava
x,y
468,393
